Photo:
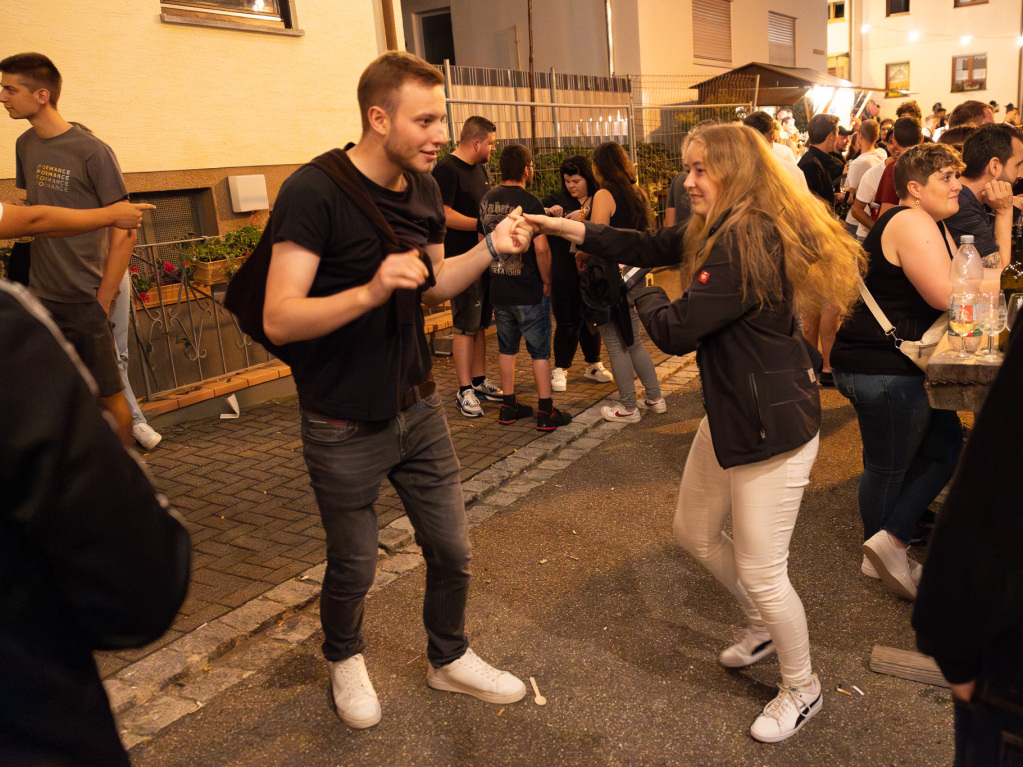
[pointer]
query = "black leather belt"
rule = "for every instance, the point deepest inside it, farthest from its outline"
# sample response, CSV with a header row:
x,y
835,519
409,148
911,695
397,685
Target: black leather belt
x,y
413,394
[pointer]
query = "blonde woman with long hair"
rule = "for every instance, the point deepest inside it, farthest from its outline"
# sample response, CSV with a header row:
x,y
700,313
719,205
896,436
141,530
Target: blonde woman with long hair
x,y
757,250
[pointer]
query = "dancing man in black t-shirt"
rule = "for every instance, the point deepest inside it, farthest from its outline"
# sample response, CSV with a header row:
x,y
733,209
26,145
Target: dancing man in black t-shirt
x,y
463,180
351,316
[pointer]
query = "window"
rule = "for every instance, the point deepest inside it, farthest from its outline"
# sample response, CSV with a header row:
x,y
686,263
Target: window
x,y
255,15
712,30
961,3
179,215
896,79
836,10
781,39
896,6
969,73
436,41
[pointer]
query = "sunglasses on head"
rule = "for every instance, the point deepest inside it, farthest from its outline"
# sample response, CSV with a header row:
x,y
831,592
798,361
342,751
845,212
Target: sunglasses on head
x,y
570,169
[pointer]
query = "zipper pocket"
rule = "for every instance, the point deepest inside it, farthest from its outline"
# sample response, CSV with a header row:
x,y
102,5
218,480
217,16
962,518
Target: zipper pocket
x,y
756,405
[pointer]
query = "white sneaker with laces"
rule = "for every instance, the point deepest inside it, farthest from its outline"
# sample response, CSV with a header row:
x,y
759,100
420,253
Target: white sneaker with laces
x,y
354,696
146,435
620,413
559,379
468,405
784,716
489,391
472,675
657,405
598,373
892,563
752,646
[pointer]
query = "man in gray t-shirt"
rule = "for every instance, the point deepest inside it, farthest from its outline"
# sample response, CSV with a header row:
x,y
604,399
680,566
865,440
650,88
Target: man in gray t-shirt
x,y
64,165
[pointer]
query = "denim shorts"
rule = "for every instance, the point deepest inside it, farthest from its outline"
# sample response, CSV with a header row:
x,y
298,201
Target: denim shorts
x,y
470,309
529,321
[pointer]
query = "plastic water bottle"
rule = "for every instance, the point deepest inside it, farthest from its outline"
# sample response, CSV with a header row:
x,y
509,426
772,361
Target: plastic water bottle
x,y
966,275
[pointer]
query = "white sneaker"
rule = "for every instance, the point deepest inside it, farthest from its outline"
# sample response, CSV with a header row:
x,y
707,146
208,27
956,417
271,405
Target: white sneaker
x,y
786,714
146,435
868,569
892,563
657,405
489,391
752,646
474,676
620,413
354,696
467,404
559,379
598,373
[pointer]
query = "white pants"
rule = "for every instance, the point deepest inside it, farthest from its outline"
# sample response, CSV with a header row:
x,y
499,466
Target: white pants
x,y
763,499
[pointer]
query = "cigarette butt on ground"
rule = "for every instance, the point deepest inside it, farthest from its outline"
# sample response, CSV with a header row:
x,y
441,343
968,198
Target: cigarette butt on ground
x,y
845,691
500,712
858,689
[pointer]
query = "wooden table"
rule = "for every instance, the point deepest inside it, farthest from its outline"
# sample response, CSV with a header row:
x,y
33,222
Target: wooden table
x,y
953,384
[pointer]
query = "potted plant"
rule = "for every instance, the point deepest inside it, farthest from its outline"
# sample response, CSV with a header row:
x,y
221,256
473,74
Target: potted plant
x,y
217,258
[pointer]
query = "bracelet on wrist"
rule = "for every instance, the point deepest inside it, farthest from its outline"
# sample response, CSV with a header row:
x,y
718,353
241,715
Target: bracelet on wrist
x,y
490,246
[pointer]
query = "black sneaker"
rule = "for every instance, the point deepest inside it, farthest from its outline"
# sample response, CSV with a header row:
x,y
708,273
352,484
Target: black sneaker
x,y
512,413
552,420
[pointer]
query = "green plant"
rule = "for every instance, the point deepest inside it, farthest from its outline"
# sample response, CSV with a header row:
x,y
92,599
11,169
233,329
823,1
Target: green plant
x,y
237,243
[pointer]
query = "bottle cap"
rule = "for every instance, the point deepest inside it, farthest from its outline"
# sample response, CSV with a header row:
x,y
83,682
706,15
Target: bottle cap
x,y
966,239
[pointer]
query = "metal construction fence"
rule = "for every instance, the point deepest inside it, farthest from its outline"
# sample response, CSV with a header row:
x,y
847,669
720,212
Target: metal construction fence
x,y
565,114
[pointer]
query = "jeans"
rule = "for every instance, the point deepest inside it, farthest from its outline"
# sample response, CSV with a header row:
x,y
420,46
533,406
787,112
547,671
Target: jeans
x,y
119,315
909,449
529,321
347,461
763,501
567,301
629,361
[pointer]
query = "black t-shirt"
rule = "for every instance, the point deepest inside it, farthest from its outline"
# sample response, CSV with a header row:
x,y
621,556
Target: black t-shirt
x,y
462,186
514,279
360,370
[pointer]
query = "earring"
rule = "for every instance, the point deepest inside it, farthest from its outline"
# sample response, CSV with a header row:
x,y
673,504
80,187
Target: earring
x,y
917,200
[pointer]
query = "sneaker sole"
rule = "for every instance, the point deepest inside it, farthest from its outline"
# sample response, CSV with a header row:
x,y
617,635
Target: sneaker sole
x,y
489,397
489,697
814,708
558,387
359,724
890,582
470,415
754,658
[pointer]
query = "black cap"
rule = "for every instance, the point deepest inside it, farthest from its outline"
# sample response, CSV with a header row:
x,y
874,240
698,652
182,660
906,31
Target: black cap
x,y
845,131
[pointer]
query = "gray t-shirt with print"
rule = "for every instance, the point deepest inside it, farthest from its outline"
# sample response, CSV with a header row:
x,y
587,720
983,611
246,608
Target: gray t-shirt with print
x,y
72,170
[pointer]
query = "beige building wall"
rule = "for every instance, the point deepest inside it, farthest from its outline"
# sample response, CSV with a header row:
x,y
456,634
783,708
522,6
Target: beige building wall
x,y
940,29
175,98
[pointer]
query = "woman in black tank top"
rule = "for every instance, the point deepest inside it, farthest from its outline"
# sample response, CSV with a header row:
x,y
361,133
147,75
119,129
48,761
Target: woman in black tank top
x,y
909,448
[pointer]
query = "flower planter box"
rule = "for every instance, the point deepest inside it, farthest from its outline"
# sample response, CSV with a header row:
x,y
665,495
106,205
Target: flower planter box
x,y
165,294
213,272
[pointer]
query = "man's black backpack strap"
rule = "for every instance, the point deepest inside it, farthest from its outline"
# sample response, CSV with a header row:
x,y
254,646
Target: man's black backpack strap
x,y
246,292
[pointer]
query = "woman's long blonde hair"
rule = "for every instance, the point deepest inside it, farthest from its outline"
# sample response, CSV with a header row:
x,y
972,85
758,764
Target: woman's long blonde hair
x,y
781,229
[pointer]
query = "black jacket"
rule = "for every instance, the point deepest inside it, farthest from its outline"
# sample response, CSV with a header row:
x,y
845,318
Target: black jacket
x,y
90,558
968,613
759,385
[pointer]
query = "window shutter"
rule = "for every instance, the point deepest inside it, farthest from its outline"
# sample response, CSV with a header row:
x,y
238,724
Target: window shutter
x,y
712,29
781,39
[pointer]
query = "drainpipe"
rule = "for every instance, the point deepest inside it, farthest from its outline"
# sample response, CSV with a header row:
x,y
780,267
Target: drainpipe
x,y
610,41
390,34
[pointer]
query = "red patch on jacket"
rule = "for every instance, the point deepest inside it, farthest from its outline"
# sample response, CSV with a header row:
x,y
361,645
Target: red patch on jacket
x,y
704,276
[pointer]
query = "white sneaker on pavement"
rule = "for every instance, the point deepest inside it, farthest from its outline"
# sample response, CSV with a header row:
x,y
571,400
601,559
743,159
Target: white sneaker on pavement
x,y
752,646
657,405
786,714
620,413
489,391
354,696
892,563
467,404
146,435
472,675
598,372
559,379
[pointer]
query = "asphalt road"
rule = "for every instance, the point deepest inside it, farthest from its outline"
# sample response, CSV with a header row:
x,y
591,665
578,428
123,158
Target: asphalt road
x,y
581,585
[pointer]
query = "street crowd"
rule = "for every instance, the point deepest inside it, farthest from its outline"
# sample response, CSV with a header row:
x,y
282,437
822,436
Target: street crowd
x,y
776,239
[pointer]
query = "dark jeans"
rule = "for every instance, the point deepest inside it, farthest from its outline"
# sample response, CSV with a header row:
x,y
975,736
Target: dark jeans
x,y
567,302
987,735
909,449
347,462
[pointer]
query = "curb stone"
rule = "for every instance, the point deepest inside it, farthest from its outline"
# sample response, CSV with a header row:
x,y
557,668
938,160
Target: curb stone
x,y
181,677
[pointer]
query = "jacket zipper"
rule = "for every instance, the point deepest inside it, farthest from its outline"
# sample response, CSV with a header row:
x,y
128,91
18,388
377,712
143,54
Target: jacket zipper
x,y
756,405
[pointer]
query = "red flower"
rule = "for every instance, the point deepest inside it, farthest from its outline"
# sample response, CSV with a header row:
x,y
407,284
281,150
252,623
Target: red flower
x,y
144,298
168,267
134,270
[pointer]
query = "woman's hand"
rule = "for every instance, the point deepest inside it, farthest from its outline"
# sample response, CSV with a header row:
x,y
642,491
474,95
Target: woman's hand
x,y
514,233
581,258
573,231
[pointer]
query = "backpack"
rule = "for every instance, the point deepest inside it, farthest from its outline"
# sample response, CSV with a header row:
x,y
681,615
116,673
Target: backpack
x,y
246,292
